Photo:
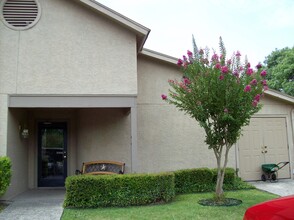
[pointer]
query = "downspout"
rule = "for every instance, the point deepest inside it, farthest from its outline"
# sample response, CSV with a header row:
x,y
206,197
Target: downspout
x,y
292,127
237,165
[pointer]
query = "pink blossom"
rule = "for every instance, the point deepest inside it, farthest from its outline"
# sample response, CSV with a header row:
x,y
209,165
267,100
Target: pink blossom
x,y
263,82
189,53
254,103
201,52
236,73
248,65
221,77
171,81
263,73
257,97
225,69
238,54
258,66
241,68
214,57
226,110
249,71
180,62
265,88
217,66
247,88
185,58
253,82
164,97
186,81
229,62
182,85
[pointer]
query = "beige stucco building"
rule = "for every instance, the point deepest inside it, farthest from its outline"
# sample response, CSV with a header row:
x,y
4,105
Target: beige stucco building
x,y
74,75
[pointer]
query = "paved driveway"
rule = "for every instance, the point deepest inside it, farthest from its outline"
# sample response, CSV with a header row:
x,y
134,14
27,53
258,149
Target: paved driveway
x,y
282,187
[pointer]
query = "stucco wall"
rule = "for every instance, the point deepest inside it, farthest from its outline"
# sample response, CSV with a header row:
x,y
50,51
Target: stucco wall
x,y
71,50
274,106
104,134
17,152
167,139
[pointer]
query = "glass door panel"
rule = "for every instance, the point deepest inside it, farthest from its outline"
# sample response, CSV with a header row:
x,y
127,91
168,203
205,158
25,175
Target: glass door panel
x,y
52,154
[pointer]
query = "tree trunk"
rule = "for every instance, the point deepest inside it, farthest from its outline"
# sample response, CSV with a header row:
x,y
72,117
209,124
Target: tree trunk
x,y
219,192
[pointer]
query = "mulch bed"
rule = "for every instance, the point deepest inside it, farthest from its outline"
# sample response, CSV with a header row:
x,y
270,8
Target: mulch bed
x,y
224,202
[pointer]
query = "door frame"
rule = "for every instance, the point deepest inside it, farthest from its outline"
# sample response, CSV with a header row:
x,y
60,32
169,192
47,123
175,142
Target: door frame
x,y
51,124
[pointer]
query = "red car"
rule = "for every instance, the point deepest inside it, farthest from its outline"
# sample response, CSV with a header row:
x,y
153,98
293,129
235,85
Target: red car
x,y
276,209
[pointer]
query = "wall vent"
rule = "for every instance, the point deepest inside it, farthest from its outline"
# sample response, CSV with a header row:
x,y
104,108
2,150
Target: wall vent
x,y
20,14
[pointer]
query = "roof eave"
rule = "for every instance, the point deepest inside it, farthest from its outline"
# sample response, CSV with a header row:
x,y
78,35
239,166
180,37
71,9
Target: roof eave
x,y
159,56
280,95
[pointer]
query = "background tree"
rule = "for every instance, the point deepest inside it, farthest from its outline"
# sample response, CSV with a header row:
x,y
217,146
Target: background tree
x,y
221,95
280,69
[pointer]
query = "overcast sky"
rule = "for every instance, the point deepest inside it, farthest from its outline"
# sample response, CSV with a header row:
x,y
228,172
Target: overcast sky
x,y
254,27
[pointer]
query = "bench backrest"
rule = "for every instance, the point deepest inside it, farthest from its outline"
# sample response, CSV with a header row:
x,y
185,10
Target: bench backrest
x,y
103,167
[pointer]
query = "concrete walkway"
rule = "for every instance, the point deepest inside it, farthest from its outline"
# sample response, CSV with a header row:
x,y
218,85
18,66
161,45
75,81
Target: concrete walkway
x,y
40,204
283,187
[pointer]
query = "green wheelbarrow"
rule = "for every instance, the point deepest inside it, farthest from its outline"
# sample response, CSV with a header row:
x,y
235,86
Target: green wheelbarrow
x,y
270,171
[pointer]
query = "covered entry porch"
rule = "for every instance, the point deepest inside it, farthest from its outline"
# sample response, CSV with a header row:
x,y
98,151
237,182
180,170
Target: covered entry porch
x,y
93,128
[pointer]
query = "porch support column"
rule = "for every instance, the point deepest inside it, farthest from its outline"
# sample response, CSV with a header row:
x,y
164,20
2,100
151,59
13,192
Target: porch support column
x,y
134,140
3,124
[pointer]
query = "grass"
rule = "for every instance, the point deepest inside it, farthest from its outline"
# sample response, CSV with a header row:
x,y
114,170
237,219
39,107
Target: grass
x,y
182,207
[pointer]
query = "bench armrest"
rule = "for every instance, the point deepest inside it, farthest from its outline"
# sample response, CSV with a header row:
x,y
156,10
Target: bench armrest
x,y
78,172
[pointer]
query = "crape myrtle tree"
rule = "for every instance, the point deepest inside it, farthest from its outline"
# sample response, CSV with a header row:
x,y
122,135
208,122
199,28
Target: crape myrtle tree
x,y
221,95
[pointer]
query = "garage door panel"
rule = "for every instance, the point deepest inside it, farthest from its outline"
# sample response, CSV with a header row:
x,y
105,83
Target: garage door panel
x,y
269,132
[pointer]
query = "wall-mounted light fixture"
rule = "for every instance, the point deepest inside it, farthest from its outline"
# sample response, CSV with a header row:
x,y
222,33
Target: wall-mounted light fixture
x,y
24,131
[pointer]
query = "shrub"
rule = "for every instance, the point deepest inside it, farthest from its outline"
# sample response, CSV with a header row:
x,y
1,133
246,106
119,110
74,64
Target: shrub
x,y
238,184
5,174
202,180
193,180
89,191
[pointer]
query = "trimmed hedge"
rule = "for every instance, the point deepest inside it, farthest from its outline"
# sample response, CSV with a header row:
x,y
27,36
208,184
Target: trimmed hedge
x,y
193,180
89,191
201,180
5,174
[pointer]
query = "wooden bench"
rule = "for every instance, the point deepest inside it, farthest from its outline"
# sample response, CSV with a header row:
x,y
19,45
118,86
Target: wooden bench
x,y
101,167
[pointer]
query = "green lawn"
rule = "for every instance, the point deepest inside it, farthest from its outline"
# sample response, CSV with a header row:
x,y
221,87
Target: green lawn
x,y
182,207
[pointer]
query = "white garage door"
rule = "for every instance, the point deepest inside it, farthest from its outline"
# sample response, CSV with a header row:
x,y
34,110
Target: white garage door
x,y
269,134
